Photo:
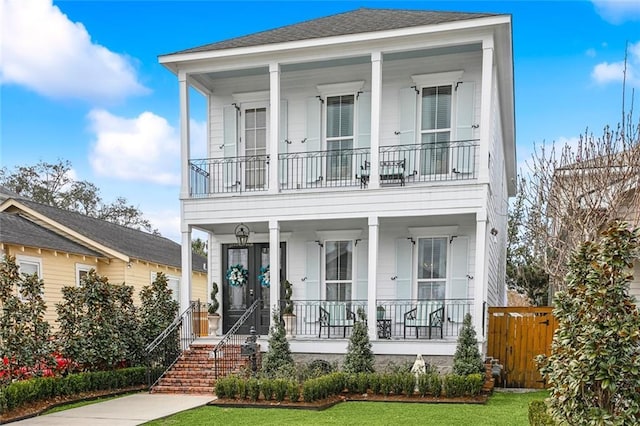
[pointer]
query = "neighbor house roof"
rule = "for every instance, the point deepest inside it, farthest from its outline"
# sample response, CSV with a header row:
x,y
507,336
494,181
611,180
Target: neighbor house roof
x,y
17,230
354,22
130,242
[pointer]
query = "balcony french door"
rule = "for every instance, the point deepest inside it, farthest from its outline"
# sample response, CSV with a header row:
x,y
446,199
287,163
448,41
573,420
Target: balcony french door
x,y
254,135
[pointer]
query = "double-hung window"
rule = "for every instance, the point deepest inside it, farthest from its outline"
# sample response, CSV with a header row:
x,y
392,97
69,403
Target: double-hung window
x,y
81,272
435,129
432,268
338,270
173,284
340,134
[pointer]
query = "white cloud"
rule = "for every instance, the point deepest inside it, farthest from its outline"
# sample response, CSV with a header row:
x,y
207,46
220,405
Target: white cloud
x,y
46,52
167,222
606,72
144,148
618,11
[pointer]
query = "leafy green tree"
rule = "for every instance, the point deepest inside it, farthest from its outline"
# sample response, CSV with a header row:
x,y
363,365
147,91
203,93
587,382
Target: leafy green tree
x,y
199,246
525,272
97,320
594,367
277,361
53,184
359,357
25,338
157,311
467,359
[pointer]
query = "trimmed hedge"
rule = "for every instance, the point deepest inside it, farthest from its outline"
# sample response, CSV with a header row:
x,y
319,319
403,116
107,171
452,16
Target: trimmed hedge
x,y
397,383
24,392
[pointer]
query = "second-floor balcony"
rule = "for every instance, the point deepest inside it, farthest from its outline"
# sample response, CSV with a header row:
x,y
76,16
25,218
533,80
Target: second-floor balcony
x,y
399,165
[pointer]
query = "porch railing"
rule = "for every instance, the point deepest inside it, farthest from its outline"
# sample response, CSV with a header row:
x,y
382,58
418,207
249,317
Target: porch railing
x,y
322,169
227,352
399,164
392,319
230,174
443,161
165,350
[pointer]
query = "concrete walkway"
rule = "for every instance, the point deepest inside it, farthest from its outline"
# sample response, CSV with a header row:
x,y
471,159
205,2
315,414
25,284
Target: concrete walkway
x,y
125,411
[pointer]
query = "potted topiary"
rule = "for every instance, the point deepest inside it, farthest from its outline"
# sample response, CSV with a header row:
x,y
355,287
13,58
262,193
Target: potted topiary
x,y
287,313
214,316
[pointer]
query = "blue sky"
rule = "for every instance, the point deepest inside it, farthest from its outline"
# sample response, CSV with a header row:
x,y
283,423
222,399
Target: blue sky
x,y
80,80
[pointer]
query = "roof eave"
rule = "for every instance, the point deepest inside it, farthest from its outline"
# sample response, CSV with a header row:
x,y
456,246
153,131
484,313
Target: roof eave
x,y
172,61
63,230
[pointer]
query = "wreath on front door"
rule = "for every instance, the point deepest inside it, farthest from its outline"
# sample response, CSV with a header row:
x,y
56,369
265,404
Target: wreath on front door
x,y
265,276
237,275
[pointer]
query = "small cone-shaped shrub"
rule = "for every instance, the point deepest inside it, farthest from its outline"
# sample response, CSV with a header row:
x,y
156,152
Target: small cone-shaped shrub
x,y
359,357
277,361
467,359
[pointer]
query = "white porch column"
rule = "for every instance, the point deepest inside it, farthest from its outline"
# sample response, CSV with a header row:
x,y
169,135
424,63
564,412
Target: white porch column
x,y
480,274
274,262
185,281
184,134
274,126
376,103
485,108
372,274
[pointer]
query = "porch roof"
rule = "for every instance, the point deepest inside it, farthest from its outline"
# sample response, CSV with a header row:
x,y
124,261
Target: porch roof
x,y
358,21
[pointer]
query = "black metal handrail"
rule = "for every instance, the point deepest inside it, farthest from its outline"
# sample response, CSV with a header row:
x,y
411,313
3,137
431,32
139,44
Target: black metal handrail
x,y
228,348
164,351
321,169
428,162
229,174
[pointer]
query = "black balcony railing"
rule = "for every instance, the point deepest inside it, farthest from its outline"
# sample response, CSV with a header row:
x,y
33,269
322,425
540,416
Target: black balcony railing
x,y
442,161
230,174
408,319
399,165
321,169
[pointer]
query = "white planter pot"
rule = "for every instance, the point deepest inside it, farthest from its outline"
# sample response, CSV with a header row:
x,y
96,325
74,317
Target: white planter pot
x,y
289,325
214,322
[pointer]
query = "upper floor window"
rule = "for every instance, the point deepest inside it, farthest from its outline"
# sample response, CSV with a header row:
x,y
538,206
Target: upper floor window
x,y
435,129
338,270
340,134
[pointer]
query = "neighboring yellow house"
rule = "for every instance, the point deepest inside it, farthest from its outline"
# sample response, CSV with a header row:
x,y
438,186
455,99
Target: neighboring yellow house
x,y
61,246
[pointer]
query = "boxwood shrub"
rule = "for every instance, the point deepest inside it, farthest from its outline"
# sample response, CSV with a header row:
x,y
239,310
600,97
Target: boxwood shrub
x,y
17,394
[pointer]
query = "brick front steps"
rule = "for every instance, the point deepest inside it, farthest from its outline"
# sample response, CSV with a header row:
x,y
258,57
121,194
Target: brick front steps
x,y
194,372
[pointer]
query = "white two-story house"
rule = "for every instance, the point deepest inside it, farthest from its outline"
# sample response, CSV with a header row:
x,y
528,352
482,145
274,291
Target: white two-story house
x,y
369,157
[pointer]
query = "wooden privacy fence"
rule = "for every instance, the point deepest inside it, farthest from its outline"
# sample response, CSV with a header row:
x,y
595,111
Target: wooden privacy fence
x,y
516,336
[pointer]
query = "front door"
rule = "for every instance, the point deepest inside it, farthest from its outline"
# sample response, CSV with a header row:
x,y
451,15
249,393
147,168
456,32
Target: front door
x,y
238,298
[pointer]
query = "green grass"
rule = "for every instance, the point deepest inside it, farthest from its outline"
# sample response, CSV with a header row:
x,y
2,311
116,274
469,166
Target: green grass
x,y
502,409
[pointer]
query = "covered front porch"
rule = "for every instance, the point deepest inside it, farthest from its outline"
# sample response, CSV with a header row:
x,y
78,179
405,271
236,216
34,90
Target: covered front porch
x,y
411,278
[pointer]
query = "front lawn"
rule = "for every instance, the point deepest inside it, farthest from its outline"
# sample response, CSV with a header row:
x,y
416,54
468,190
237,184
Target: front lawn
x,y
502,409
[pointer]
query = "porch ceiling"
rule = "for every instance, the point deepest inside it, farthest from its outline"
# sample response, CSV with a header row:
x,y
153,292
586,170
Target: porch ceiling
x,y
345,224
207,79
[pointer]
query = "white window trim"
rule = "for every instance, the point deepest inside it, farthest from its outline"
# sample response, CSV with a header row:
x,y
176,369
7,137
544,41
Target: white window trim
x,y
30,259
81,267
169,278
259,96
438,79
447,280
336,89
323,265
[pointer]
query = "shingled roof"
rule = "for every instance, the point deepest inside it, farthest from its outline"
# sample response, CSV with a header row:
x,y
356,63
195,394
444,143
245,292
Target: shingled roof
x,y
354,22
131,242
15,229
